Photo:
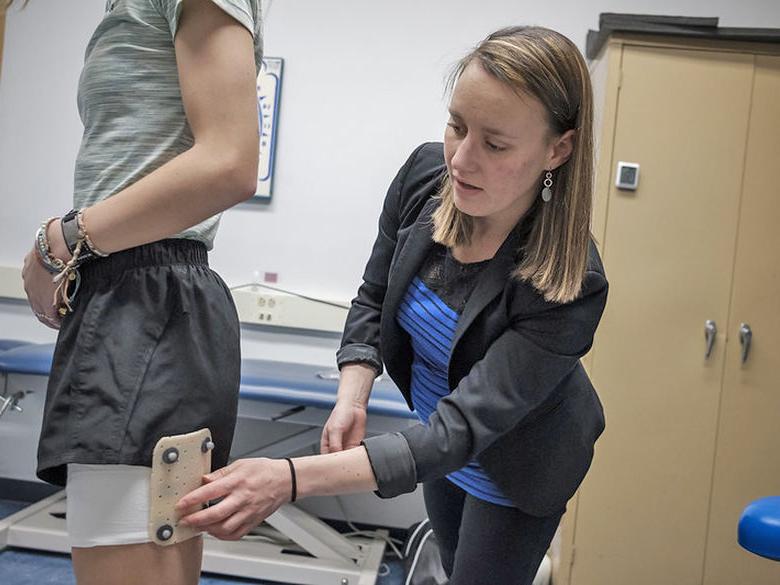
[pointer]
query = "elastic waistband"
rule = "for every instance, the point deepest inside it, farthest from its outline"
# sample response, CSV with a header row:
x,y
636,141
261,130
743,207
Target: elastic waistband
x,y
162,253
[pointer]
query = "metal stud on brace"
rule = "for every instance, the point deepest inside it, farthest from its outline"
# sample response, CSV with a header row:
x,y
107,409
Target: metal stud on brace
x,y
171,455
165,532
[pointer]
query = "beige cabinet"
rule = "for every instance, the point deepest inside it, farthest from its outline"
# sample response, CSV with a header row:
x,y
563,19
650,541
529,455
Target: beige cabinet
x,y
691,438
747,457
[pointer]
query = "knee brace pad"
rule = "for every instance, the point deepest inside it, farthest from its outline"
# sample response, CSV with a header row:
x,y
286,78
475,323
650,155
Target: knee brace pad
x,y
178,466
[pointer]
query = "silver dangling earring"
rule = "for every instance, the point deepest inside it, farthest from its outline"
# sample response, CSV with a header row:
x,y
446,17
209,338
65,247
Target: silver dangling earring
x,y
546,192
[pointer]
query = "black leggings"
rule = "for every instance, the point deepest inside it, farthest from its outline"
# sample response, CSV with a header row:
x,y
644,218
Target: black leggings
x,y
483,543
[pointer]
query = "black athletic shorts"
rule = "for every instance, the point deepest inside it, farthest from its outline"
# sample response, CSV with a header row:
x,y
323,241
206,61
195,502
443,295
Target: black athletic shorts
x,y
151,349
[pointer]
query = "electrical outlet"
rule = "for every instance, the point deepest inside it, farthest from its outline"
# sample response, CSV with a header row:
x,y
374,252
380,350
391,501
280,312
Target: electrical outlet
x,y
267,311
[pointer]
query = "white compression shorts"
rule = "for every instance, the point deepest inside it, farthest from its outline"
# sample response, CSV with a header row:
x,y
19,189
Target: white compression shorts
x,y
107,505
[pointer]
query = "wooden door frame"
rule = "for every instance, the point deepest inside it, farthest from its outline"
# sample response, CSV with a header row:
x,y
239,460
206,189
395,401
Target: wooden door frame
x,y
3,9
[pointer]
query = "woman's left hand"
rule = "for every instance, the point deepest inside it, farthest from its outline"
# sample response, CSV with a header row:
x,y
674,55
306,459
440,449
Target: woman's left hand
x,y
252,490
40,290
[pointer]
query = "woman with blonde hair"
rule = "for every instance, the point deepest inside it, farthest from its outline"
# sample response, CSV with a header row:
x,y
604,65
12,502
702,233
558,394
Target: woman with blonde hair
x,y
148,342
482,292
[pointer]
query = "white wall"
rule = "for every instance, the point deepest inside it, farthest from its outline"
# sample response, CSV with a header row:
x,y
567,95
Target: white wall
x,y
363,85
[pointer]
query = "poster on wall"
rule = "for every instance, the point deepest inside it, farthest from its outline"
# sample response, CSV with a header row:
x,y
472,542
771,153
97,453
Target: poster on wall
x,y
269,88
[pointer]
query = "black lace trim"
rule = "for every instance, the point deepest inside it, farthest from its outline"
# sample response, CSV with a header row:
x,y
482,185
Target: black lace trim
x,y
451,280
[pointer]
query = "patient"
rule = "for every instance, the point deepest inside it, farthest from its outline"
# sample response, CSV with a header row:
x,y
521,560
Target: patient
x,y
148,340
482,292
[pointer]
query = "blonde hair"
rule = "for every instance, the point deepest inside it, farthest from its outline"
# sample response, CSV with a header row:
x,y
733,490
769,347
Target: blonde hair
x,y
546,65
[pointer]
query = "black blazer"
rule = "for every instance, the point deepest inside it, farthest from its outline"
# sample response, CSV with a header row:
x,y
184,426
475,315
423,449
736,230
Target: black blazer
x,y
520,400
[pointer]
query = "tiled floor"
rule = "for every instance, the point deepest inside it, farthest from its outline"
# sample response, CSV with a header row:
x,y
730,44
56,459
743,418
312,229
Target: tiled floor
x,y
22,567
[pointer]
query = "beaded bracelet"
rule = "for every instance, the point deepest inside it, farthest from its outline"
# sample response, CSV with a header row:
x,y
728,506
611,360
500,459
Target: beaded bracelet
x,y
53,264
83,232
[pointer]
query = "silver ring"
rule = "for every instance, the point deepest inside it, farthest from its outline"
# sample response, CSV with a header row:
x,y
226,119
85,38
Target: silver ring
x,y
45,317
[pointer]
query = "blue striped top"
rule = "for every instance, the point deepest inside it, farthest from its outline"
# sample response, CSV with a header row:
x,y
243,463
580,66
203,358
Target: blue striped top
x,y
431,324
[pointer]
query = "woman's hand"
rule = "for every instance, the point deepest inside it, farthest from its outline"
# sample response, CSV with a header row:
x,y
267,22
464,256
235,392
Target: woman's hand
x,y
38,283
40,290
252,490
346,427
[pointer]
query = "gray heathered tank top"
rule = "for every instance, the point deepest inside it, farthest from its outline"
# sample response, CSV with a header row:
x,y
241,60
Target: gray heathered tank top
x,y
129,98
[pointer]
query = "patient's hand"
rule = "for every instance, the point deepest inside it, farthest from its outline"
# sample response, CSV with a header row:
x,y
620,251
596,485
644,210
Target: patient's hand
x,y
40,290
252,490
346,427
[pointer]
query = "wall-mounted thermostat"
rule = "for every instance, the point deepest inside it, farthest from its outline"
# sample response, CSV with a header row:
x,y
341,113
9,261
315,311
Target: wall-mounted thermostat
x,y
627,176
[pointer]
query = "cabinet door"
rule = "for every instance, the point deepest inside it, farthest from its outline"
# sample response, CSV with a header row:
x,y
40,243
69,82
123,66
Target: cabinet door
x,y
747,462
668,252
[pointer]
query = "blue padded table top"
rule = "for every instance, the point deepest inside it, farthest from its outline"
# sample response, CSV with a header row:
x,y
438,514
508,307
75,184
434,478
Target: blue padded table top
x,y
6,344
282,382
269,380
33,358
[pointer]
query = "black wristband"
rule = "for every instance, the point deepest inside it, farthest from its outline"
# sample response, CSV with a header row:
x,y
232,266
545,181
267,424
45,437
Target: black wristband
x,y
294,482
70,229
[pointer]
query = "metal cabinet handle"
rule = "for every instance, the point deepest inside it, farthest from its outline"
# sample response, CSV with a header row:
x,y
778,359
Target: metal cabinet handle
x,y
745,338
710,333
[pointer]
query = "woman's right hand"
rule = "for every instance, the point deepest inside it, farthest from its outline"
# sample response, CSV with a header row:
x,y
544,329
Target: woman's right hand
x,y
251,490
346,427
